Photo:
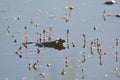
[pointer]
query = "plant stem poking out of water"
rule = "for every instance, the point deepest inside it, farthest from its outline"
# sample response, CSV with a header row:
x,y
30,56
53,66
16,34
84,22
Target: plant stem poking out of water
x,y
70,6
63,72
50,35
67,15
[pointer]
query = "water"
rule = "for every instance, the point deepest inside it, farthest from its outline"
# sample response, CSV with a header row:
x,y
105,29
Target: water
x,y
84,17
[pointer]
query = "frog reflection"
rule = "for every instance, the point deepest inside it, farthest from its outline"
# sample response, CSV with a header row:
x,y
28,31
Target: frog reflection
x,y
56,44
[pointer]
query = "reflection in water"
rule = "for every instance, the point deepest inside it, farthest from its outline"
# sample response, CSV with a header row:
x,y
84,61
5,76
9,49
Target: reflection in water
x,y
42,75
83,66
8,29
19,52
40,38
26,35
38,50
17,17
104,15
67,38
67,70
73,45
83,69
62,66
37,39
98,45
84,40
66,61
31,21
100,56
117,42
34,66
91,47
43,35
116,56
11,34
57,44
66,17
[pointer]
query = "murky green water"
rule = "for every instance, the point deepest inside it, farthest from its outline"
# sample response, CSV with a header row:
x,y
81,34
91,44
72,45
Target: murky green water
x,y
38,15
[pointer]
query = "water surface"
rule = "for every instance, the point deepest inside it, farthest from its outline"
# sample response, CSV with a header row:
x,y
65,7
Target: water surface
x,y
84,17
